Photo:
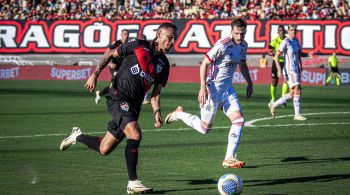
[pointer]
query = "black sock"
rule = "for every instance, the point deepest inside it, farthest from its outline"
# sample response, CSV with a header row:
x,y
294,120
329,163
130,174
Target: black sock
x,y
92,142
131,156
104,91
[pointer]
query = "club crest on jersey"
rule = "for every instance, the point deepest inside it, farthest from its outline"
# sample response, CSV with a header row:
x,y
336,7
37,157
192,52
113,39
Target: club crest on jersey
x,y
124,106
159,68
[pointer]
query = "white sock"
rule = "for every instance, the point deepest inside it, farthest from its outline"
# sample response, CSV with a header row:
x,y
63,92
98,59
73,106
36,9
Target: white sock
x,y
234,137
282,100
192,121
296,102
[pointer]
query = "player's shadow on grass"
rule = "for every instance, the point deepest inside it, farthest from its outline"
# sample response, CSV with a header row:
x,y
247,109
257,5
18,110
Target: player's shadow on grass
x,y
301,160
320,178
180,190
191,182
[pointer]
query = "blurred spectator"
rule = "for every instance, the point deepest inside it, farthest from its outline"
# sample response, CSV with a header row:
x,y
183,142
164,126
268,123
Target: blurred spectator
x,y
263,61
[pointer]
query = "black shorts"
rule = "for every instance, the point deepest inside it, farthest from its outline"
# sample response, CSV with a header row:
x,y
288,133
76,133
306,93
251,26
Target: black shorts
x,y
122,113
335,69
274,69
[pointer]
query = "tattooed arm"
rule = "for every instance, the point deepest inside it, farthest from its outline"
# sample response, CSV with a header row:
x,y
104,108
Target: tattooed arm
x,y
105,59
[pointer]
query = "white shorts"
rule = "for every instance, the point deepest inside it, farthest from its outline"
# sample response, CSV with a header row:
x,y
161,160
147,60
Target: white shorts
x,y
292,78
226,99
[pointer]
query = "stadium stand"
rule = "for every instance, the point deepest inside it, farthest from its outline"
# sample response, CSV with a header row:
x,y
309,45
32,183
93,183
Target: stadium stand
x,y
173,9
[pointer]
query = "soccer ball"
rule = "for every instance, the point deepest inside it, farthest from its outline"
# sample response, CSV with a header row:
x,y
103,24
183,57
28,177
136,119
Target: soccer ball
x,y
230,184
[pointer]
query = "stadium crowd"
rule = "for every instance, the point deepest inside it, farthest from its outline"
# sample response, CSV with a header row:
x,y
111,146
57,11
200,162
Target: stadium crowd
x,y
173,9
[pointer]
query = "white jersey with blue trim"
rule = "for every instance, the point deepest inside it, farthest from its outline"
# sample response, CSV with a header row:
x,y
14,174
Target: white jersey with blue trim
x,y
225,56
290,49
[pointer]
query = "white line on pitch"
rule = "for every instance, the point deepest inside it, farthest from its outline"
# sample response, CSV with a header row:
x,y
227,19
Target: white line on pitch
x,y
250,123
179,129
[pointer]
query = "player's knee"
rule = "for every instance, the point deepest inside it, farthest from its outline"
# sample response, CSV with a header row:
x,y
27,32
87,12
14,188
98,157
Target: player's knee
x,y
132,131
239,120
135,136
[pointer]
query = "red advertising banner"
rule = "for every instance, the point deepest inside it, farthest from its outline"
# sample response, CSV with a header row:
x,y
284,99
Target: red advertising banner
x,y
310,76
194,36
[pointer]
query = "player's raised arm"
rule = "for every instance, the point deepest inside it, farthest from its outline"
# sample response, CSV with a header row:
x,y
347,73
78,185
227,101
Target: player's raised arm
x,y
103,62
246,74
202,95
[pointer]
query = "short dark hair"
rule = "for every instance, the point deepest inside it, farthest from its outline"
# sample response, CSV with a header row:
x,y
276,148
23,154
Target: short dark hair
x,y
125,30
167,25
238,23
281,26
292,26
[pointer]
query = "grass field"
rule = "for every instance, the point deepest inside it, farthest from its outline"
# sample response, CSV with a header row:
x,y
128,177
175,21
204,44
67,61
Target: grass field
x,y
282,156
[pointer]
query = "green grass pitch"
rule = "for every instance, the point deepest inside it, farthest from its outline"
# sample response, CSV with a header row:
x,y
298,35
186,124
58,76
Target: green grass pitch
x,y
282,156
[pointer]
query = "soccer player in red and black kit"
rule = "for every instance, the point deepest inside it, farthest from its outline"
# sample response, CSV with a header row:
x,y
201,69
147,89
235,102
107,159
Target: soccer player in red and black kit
x,y
144,64
114,64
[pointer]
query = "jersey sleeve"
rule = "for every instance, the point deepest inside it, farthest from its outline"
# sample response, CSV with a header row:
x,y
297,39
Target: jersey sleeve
x,y
112,45
162,77
213,54
298,44
282,46
273,44
129,47
244,54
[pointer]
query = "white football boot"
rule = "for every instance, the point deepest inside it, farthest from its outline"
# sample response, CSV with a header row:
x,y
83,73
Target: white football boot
x,y
171,117
71,139
272,109
233,162
136,187
98,97
299,117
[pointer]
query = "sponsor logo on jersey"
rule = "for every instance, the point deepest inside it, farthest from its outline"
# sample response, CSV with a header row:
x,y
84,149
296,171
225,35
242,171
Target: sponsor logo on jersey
x,y
136,70
208,107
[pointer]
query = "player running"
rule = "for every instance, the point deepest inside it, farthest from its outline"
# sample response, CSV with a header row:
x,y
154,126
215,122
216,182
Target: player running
x,y
144,64
291,50
216,90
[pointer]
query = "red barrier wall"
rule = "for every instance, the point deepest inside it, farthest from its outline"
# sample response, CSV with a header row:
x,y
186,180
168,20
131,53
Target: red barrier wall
x,y
310,76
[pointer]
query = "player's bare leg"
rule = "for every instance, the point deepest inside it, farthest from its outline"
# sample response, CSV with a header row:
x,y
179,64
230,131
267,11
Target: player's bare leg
x,y
134,136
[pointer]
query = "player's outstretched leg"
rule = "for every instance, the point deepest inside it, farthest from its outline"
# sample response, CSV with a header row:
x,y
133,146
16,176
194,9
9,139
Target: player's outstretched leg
x,y
71,139
171,117
136,187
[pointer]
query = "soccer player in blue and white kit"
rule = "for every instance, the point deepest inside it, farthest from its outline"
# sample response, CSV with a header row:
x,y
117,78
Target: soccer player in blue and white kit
x,y
291,50
216,90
